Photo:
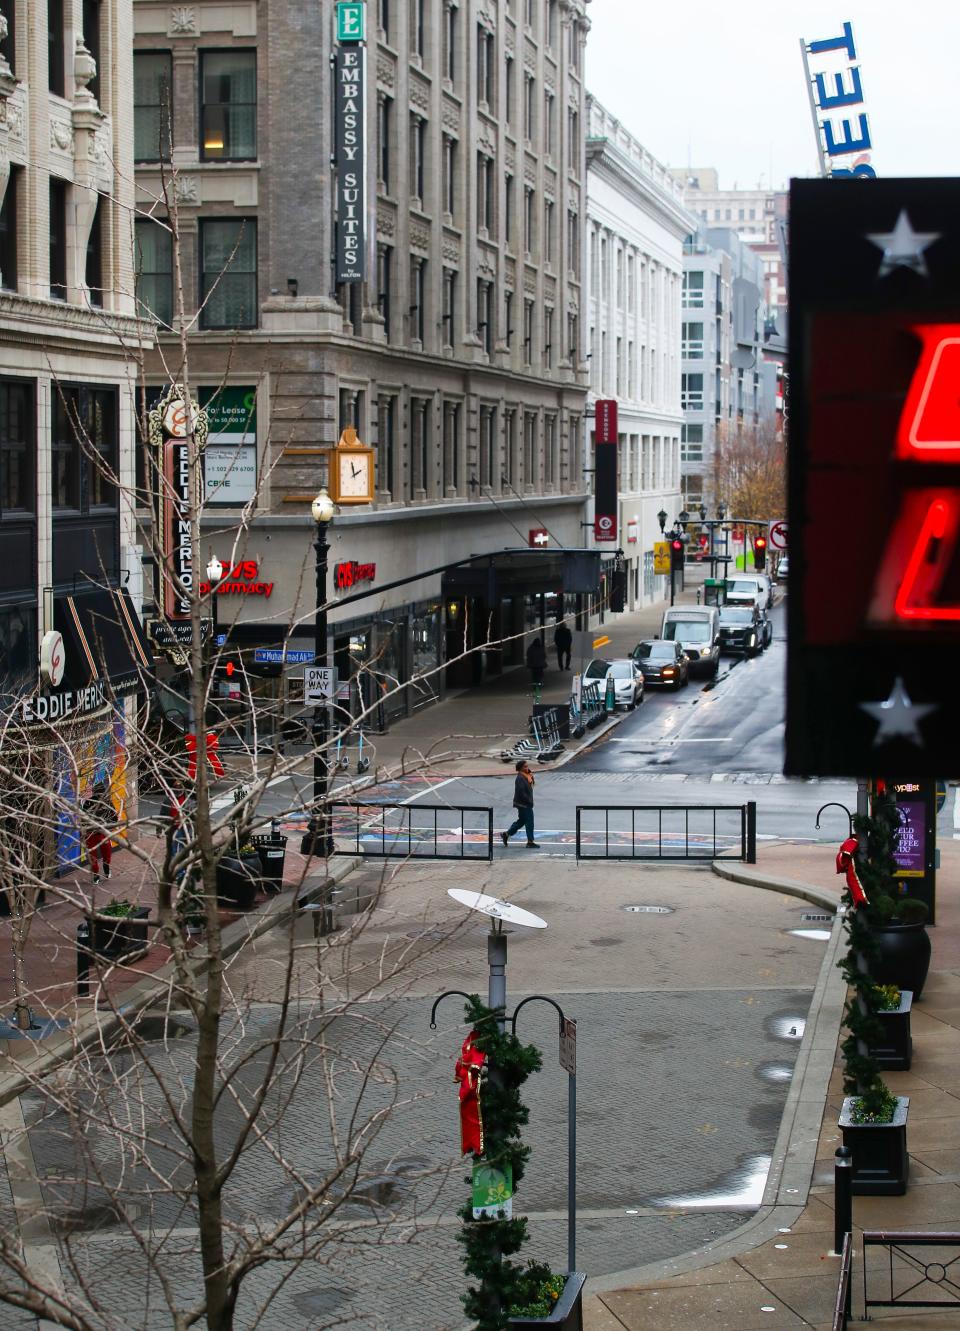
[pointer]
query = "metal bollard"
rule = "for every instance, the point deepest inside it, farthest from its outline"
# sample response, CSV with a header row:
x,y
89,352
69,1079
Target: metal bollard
x,y
842,1197
83,959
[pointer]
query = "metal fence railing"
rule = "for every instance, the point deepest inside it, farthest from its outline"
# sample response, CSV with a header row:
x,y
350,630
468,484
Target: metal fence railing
x,y
412,831
667,832
930,1280
841,1308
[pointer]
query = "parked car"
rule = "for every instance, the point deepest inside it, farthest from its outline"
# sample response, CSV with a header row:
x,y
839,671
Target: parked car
x,y
742,588
697,629
663,663
741,630
627,680
783,568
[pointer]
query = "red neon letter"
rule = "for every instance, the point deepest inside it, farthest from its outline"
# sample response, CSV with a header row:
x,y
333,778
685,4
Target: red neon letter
x,y
930,423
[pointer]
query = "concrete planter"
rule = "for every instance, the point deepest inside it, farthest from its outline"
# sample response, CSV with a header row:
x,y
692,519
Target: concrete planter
x,y
238,880
568,1311
881,1165
894,1050
120,937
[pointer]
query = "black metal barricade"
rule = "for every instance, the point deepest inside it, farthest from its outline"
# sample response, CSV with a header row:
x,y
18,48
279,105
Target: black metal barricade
x,y
412,831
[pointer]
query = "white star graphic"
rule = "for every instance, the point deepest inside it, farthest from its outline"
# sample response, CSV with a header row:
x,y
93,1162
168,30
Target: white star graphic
x,y
897,716
903,247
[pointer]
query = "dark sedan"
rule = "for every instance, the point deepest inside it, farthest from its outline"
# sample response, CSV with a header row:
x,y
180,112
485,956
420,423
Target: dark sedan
x,y
741,630
663,662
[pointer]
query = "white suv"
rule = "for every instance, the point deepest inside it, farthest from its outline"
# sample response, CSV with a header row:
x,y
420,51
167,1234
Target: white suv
x,y
744,588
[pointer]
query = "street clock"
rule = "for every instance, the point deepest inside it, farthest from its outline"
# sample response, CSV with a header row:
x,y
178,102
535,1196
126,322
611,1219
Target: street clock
x,y
351,470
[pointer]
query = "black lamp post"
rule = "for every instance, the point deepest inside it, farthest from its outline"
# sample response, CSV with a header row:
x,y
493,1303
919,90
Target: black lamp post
x,y
318,839
215,571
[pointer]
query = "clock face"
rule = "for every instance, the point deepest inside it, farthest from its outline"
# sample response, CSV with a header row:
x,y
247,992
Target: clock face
x,y
353,472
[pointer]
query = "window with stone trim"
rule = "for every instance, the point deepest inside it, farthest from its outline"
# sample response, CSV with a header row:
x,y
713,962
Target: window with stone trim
x,y
18,447
417,165
228,272
449,174
387,480
152,82
485,313
450,461
228,105
486,196
9,232
528,332
384,119
449,41
486,68
449,315
58,238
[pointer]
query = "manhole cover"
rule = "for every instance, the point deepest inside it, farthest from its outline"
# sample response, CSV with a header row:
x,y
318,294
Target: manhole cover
x,y
650,910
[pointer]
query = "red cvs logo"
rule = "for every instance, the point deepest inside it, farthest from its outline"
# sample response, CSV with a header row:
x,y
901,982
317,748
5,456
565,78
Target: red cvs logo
x,y
926,535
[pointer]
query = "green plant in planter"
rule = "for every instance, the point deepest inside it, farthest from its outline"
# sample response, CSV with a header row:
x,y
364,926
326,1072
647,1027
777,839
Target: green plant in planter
x,y
876,867
543,1289
887,997
118,908
488,1243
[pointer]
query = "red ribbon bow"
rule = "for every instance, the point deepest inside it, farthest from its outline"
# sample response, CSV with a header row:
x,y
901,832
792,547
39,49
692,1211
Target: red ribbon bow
x,y
468,1072
847,864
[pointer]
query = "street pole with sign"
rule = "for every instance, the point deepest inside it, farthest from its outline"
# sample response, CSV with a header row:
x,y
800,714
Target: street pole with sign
x,y
318,839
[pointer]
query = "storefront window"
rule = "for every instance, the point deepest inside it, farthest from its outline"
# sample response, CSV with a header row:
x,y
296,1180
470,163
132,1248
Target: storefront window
x,y
425,656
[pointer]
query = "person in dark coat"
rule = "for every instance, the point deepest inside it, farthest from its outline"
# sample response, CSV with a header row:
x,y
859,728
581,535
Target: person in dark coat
x,y
523,803
563,641
536,659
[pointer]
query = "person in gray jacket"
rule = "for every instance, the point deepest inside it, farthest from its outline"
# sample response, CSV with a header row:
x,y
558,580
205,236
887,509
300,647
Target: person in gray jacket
x,y
523,803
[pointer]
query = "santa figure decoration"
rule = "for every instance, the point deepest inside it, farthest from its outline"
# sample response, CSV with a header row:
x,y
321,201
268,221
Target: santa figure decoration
x,y
468,1073
847,864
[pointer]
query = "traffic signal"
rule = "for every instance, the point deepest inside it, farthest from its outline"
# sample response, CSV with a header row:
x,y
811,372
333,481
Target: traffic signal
x,y
618,589
676,552
760,552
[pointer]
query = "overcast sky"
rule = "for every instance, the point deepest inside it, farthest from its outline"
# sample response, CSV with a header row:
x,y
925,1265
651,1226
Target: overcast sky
x,y
703,83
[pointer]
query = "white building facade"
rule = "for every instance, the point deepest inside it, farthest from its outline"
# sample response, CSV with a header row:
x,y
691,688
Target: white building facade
x,y
636,226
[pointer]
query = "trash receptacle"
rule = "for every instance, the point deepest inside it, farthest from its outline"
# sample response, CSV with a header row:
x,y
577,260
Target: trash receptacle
x,y
272,849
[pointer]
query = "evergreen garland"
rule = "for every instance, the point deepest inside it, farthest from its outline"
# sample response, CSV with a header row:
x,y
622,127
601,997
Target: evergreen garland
x,y
487,1242
876,868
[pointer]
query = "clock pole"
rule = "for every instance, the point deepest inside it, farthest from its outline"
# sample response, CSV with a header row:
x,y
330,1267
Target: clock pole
x,y
318,839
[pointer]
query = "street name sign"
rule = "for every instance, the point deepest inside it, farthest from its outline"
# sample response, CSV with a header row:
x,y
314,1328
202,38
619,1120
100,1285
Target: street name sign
x,y
568,1046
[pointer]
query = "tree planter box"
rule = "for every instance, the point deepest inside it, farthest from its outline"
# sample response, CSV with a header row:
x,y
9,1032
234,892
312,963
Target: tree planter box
x,y
238,881
121,937
881,1164
894,1051
903,956
568,1310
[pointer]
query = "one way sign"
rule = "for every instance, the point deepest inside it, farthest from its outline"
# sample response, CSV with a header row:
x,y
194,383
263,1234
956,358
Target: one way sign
x,y
539,537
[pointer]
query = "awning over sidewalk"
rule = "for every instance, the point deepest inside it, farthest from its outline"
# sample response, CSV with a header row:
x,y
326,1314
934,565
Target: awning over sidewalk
x,y
104,641
525,572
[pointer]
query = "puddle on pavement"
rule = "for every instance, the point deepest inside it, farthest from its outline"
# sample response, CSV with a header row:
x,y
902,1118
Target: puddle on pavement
x,y
785,1026
777,1074
741,1186
818,935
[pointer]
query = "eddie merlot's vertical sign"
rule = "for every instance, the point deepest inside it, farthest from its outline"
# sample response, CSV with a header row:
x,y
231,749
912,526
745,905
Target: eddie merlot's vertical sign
x,y
349,130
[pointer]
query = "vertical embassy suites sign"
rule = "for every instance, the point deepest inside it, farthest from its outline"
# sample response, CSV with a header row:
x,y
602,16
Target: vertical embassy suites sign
x,y
349,130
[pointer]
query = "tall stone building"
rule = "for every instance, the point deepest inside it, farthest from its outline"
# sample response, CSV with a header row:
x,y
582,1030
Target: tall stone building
x,y
68,334
458,358
636,226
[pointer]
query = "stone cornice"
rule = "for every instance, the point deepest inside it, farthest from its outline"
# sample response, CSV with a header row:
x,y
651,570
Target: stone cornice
x,y
56,322
607,160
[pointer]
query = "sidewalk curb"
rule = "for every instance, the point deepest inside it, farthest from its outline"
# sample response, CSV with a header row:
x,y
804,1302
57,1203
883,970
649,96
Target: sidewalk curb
x,y
787,1189
97,1024
789,887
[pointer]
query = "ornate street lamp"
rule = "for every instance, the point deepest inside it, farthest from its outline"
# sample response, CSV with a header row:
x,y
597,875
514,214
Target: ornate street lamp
x,y
318,839
662,518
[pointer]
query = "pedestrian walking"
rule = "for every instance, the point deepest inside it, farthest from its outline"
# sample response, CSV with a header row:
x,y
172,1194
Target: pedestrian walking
x,y
563,641
536,660
523,803
99,809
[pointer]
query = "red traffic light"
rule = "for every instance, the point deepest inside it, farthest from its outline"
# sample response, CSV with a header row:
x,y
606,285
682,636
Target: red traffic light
x,y
230,668
676,544
760,543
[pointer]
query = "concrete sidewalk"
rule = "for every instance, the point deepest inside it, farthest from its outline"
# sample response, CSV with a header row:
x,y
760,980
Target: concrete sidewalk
x,y
777,1271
